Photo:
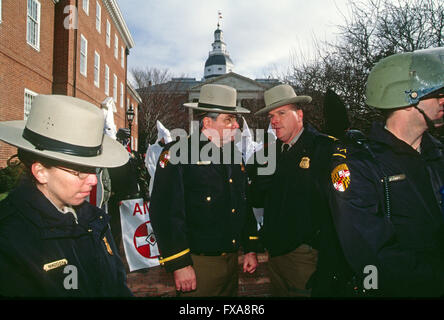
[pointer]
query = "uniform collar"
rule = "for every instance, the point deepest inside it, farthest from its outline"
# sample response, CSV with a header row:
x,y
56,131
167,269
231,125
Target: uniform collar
x,y
35,207
430,147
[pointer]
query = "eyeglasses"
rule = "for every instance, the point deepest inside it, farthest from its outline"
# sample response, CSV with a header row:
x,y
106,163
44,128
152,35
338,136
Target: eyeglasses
x,y
82,174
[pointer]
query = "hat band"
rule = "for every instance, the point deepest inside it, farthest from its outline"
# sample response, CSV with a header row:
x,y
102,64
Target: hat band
x,y
214,106
44,143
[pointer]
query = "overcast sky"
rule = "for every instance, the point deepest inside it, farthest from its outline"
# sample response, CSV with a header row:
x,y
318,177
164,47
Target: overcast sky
x,y
261,35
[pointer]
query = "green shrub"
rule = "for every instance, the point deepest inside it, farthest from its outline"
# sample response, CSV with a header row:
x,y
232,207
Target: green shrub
x,y
10,175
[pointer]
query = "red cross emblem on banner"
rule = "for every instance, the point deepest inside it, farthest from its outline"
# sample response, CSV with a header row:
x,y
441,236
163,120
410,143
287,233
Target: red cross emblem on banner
x,y
145,241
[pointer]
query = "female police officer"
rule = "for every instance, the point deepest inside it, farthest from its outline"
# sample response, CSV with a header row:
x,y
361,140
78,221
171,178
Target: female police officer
x,y
52,242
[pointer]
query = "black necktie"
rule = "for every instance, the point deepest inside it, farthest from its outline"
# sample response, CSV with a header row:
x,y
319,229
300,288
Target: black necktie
x,y
285,147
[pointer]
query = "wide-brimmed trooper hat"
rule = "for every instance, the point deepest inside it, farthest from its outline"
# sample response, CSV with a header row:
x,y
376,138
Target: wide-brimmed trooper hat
x,y
67,129
279,96
217,98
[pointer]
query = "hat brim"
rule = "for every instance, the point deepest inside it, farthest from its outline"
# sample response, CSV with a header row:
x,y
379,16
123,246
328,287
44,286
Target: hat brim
x,y
113,153
236,110
298,99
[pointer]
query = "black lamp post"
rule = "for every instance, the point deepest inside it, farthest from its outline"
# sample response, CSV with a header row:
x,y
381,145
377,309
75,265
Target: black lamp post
x,y
130,117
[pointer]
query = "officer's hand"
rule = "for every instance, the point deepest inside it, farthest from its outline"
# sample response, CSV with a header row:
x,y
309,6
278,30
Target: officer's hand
x,y
185,279
250,262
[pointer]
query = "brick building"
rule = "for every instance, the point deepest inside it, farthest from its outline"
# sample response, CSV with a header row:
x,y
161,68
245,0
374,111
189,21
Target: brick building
x,y
72,47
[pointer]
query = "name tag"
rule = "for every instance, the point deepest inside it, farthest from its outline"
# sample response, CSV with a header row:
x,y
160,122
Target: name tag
x,y
397,177
55,264
203,163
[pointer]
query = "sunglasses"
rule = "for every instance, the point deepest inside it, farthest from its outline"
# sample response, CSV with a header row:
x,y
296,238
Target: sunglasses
x,y
84,173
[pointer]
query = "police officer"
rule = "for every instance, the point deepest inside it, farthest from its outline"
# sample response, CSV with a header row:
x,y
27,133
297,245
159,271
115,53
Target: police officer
x,y
385,188
198,207
294,207
53,243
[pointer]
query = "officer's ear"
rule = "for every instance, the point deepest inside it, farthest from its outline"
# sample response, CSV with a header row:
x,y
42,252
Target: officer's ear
x,y
40,172
207,123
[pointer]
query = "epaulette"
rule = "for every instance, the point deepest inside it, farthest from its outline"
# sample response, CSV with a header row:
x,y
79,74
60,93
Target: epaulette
x,y
354,142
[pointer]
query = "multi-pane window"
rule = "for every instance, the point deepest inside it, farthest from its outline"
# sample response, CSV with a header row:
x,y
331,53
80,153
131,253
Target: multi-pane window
x,y
121,95
0,11
85,6
33,24
115,89
98,16
29,97
108,33
96,69
83,55
122,57
106,79
116,46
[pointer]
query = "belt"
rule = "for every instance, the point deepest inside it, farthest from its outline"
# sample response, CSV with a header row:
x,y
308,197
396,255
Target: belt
x,y
212,254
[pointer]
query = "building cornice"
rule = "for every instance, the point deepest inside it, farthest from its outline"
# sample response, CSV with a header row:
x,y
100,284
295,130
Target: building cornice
x,y
133,92
116,16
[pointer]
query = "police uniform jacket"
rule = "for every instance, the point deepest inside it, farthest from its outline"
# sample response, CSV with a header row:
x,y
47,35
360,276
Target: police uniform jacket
x,y
45,253
199,206
293,205
400,231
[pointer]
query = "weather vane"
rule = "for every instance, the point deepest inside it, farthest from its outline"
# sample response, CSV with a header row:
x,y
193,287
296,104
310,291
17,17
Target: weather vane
x,y
219,17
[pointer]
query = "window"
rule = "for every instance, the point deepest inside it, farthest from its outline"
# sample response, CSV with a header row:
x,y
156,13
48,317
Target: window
x,y
115,89
98,16
116,46
106,79
83,55
29,97
85,6
33,24
108,33
122,57
0,11
121,95
96,69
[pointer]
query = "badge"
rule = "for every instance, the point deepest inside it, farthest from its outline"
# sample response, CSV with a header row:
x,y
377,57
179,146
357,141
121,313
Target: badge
x,y
305,163
340,176
164,159
55,264
108,247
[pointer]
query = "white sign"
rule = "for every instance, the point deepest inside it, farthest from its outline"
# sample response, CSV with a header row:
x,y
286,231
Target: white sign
x,y
138,236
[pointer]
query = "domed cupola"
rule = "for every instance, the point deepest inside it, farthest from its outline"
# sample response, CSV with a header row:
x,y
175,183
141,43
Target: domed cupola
x,y
219,61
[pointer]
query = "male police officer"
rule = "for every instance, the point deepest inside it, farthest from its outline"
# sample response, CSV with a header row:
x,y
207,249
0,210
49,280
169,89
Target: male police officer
x,y
385,189
294,207
198,207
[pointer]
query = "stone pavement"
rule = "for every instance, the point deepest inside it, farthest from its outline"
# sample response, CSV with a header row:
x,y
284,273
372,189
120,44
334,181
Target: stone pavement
x,y
156,282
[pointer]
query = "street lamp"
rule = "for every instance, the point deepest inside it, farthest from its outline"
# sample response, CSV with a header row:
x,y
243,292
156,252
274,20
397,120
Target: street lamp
x,y
130,117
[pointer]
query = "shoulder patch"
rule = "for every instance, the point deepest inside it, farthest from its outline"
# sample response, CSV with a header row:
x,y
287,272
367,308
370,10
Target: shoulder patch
x,y
164,158
340,177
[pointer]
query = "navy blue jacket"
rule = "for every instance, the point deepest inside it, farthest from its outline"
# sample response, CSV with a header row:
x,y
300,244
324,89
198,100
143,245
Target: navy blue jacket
x,y
200,207
405,244
45,253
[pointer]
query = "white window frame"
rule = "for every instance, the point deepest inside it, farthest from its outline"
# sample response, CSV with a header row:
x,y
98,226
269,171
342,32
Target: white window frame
x,y
116,46
122,57
108,34
85,6
122,97
98,17
115,88
96,69
28,98
106,80
83,55
0,11
33,21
